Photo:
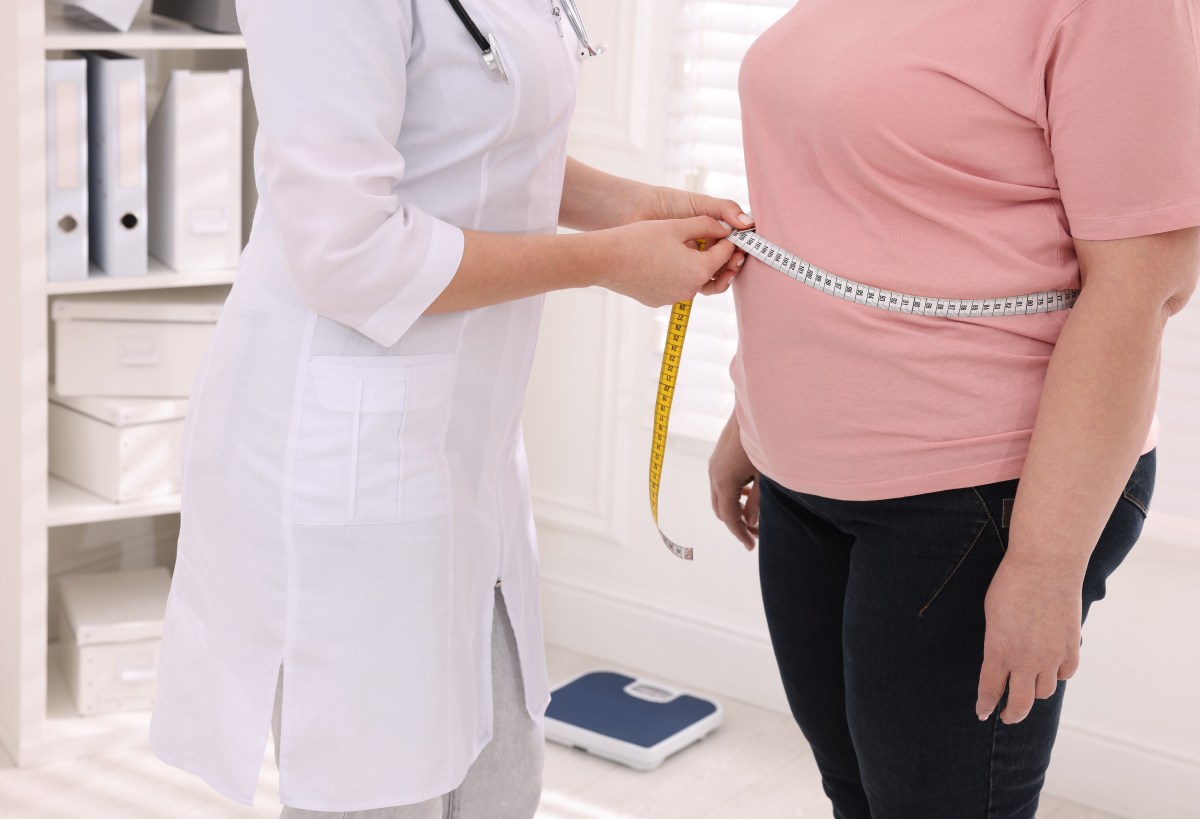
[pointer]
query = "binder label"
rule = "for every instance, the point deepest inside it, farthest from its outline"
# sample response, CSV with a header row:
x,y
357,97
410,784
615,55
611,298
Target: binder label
x,y
129,136
66,139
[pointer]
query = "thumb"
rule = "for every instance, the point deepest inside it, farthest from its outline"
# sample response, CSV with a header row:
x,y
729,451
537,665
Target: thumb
x,y
720,253
703,227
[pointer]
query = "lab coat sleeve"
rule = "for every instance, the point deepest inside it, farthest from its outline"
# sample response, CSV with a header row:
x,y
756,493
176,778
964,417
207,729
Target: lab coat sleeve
x,y
329,82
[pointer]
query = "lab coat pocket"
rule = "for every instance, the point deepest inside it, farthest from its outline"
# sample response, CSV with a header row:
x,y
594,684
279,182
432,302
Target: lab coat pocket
x,y
370,446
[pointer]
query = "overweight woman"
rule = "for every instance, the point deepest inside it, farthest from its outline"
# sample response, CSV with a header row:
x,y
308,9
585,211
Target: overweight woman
x,y
939,501
356,560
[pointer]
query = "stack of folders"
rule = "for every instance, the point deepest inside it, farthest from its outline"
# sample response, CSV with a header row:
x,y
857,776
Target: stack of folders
x,y
115,194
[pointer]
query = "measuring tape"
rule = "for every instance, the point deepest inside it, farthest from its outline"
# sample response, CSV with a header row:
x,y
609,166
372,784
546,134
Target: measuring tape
x,y
1047,301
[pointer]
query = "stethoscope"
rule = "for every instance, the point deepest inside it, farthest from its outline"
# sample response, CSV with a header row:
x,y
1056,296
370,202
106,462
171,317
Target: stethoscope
x,y
491,52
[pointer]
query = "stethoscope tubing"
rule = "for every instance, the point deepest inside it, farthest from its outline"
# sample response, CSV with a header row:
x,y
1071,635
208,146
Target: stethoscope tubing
x,y
487,43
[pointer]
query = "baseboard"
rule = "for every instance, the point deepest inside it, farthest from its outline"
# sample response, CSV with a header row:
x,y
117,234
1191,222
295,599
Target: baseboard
x,y
1128,779
674,647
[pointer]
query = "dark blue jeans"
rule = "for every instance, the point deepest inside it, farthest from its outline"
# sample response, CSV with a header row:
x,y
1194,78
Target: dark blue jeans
x,y
876,615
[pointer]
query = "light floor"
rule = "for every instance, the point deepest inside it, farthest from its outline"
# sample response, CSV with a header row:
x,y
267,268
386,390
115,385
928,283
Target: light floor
x,y
756,766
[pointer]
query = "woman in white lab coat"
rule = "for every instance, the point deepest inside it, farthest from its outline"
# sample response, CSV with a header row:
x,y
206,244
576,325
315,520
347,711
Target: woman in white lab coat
x,y
355,503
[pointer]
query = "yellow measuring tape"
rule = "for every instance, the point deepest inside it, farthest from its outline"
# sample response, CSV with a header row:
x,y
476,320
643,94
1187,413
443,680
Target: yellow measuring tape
x,y
668,376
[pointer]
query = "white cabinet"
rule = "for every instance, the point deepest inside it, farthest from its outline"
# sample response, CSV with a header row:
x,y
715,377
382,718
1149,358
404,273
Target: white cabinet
x,y
38,720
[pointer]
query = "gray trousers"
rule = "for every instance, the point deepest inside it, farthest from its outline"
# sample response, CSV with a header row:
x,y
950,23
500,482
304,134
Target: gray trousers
x,y
505,782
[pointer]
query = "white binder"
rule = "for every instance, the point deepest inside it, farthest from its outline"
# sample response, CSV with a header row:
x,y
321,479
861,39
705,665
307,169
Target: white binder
x,y
195,162
118,14
66,170
117,167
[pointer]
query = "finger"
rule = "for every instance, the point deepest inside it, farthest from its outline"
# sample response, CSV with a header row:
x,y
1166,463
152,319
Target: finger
x,y
731,212
730,513
724,209
992,678
720,253
1067,670
703,227
1021,690
750,514
718,285
752,508
1046,685
736,262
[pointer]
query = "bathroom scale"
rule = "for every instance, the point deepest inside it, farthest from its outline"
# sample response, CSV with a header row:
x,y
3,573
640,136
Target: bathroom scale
x,y
632,721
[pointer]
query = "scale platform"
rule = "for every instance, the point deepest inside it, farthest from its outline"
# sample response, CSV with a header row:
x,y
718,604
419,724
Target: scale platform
x,y
635,722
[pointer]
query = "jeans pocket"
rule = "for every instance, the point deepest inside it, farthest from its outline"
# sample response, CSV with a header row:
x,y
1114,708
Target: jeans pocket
x,y
1139,489
370,447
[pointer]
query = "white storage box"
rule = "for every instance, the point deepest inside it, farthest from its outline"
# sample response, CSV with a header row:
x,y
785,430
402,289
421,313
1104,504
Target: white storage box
x,y
121,449
135,345
109,636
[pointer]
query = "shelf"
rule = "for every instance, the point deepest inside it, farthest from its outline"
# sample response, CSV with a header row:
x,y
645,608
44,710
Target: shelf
x,y
69,735
69,505
160,277
147,34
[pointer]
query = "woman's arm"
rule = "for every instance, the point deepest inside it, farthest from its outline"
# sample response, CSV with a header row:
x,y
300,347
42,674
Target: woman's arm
x,y
641,245
1095,411
594,200
654,262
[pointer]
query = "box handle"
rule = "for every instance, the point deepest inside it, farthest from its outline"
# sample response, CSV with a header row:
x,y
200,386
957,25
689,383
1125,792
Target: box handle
x,y
138,674
137,351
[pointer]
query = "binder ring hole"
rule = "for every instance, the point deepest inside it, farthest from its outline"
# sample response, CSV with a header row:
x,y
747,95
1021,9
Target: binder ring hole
x,y
68,223
129,220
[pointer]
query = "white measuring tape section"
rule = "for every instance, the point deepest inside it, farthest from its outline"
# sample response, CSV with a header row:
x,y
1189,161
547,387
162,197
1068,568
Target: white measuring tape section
x,y
1047,301
769,253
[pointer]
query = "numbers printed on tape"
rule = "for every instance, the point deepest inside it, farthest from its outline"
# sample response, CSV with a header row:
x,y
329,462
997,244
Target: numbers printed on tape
x,y
789,264
668,376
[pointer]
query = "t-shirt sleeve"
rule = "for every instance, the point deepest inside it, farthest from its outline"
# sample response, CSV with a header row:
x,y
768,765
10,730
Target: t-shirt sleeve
x,y
1122,114
330,87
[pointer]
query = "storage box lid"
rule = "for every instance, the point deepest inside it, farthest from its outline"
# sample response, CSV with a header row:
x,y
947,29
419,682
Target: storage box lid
x,y
115,607
124,412
201,305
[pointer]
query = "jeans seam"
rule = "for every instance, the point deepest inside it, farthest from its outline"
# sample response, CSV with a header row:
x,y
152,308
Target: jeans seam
x,y
991,520
954,571
992,764
1135,501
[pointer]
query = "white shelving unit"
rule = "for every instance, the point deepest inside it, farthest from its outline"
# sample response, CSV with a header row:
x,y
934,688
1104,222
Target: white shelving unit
x,y
38,721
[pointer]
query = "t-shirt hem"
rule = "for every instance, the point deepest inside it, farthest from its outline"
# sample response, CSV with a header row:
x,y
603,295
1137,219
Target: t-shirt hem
x,y
1006,469
977,475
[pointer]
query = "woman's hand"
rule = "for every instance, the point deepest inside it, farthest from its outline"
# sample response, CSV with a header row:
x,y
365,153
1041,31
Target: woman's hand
x,y
1034,618
658,263
733,482
596,201
671,203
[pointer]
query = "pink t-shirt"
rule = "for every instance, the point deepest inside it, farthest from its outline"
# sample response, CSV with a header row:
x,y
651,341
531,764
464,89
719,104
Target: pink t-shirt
x,y
946,148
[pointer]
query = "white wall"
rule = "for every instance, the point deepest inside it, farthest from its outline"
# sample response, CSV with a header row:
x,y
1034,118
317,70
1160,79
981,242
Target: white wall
x,y
1131,736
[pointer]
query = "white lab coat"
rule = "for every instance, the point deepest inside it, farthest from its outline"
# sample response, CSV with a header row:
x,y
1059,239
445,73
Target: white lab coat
x,y
354,481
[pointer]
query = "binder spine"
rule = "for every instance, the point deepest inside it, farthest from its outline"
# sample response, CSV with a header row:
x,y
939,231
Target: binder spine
x,y
117,170
66,170
195,160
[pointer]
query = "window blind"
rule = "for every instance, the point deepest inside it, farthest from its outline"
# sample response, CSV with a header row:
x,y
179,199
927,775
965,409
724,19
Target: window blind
x,y
705,155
